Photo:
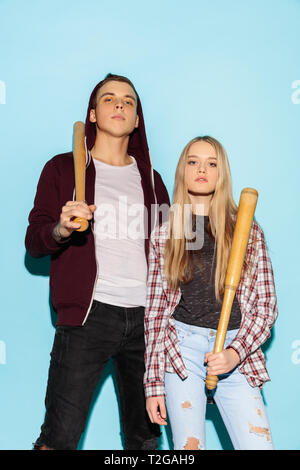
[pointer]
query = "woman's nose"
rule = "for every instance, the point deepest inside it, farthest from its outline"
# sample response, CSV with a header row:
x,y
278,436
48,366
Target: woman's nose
x,y
201,168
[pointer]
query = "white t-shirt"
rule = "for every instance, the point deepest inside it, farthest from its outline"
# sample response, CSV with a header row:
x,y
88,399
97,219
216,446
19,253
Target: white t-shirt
x,y
120,235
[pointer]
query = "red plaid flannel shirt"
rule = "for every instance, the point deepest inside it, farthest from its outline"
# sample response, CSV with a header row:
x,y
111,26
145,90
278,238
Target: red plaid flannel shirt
x,y
258,304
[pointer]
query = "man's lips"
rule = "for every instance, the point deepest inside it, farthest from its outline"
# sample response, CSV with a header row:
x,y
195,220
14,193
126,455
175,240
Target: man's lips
x,y
118,117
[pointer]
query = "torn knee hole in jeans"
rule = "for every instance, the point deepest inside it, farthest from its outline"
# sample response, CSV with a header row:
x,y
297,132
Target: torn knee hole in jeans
x,y
186,405
259,431
192,443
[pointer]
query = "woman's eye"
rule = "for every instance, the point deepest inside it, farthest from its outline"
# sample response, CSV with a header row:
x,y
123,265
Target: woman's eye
x,y
213,164
191,162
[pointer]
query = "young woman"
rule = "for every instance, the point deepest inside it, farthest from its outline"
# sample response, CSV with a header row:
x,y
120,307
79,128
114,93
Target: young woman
x,y
185,290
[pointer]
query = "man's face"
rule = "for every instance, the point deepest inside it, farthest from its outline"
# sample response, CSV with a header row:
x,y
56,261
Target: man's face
x,y
116,109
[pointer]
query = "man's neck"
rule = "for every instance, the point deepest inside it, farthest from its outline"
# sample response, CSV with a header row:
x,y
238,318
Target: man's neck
x,y
111,150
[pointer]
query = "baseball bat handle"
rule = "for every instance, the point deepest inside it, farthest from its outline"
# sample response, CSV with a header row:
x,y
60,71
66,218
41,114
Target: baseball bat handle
x,y
212,380
79,156
83,224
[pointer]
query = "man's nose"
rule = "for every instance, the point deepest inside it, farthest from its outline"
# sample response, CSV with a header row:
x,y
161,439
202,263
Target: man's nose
x,y
119,104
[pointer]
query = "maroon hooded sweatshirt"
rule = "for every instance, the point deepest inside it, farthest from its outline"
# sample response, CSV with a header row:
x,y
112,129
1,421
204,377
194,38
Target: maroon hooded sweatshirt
x,y
73,269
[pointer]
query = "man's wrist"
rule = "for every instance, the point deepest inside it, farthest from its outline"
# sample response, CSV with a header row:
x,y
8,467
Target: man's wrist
x,y
57,235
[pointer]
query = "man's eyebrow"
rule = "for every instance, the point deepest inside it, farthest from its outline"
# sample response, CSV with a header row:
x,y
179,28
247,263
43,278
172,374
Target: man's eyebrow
x,y
131,96
107,93
113,94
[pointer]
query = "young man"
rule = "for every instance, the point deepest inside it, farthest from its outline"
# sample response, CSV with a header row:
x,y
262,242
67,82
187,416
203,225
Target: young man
x,y
98,277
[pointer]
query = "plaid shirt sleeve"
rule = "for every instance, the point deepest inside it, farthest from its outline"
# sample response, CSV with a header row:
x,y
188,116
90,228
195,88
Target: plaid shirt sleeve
x,y
156,320
261,313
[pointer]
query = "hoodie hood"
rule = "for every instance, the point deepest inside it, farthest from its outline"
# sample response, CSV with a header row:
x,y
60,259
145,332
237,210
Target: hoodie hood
x,y
137,146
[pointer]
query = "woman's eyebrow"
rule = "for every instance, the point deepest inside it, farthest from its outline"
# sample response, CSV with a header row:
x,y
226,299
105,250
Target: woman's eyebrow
x,y
197,156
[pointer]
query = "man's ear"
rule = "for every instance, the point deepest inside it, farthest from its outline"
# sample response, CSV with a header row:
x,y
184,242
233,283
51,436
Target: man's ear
x,y
137,121
92,115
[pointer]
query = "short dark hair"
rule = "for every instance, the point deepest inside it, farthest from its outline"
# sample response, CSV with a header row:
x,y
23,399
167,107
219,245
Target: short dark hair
x,y
110,77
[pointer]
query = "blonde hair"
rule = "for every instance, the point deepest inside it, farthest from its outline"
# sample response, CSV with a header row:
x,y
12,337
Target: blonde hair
x,y
222,212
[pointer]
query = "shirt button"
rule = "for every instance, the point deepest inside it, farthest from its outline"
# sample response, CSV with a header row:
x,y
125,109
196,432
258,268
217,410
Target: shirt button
x,y
211,333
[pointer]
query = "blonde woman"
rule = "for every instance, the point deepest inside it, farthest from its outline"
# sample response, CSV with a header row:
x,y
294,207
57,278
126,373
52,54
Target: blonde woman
x,y
187,267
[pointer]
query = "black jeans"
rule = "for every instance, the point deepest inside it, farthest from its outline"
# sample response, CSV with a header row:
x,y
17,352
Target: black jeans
x,y
78,358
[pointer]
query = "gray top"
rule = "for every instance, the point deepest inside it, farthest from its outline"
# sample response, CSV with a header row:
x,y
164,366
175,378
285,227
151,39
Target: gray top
x,y
198,305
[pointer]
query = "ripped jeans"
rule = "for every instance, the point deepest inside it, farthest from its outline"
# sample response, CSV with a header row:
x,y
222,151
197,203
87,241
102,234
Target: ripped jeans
x,y
240,405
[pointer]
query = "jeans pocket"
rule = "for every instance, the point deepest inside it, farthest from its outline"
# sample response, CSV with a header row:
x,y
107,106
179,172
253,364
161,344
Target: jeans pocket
x,y
59,345
231,334
181,334
62,339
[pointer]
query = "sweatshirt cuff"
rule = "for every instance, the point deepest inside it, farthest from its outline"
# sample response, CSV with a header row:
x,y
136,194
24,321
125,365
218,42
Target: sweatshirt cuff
x,y
57,237
49,241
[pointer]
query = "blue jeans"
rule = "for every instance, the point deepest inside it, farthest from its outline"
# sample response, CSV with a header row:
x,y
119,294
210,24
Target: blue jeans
x,y
240,405
78,358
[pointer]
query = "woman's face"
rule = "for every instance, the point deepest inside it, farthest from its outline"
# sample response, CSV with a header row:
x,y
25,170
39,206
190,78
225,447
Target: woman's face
x,y
201,172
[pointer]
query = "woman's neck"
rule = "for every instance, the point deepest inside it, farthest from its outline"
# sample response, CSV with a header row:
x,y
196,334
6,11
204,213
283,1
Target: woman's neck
x,y
200,204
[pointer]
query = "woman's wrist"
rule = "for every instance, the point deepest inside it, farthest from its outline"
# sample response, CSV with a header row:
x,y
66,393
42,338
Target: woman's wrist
x,y
235,355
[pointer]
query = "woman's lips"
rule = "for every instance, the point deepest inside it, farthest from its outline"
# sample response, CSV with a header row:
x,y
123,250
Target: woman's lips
x,y
201,180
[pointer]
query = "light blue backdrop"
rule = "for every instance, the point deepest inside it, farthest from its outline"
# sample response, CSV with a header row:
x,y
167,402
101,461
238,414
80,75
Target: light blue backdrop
x,y
230,69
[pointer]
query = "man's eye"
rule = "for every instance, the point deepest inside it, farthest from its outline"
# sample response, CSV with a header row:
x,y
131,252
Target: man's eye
x,y
107,99
129,102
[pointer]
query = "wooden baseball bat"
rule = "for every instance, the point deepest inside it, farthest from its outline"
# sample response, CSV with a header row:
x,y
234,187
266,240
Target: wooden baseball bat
x,y
79,156
244,219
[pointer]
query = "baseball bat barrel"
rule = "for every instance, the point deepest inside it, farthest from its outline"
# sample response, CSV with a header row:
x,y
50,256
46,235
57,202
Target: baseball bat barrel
x,y
79,156
244,219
